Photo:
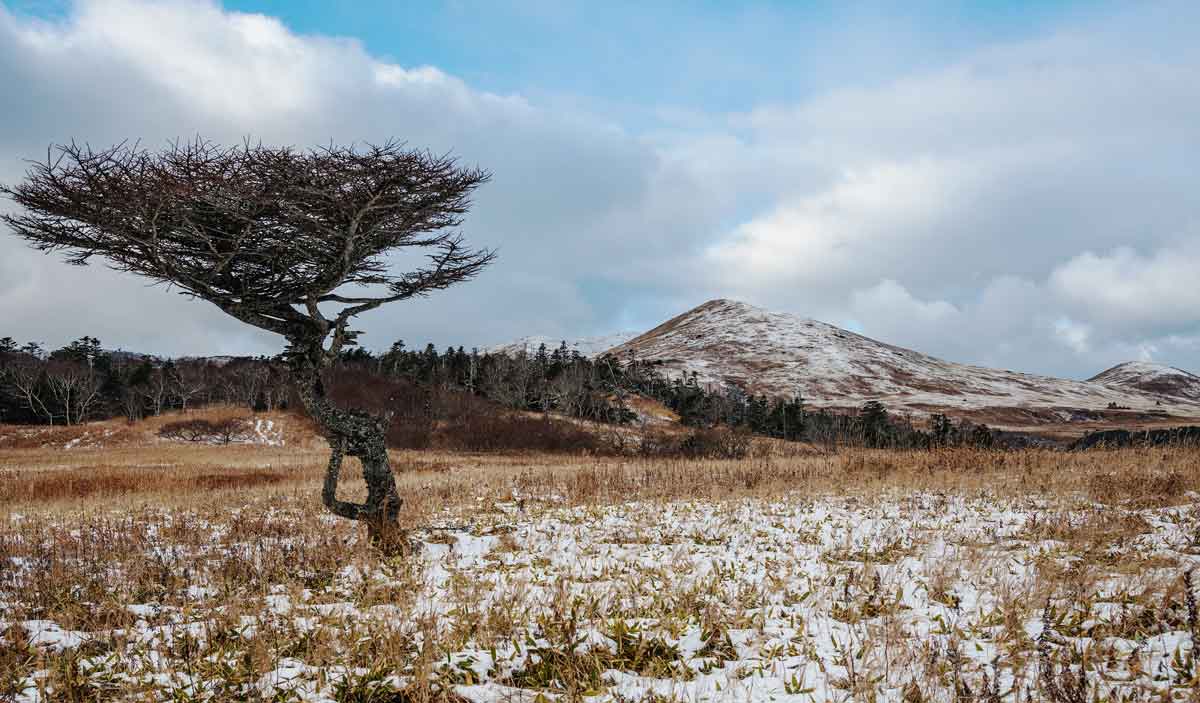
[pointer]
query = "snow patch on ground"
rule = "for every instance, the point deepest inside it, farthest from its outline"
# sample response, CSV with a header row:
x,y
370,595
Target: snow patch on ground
x,y
784,599
265,432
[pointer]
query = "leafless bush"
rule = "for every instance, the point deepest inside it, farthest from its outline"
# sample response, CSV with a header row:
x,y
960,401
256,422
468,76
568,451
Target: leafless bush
x,y
223,431
186,430
424,417
412,408
231,429
500,431
711,443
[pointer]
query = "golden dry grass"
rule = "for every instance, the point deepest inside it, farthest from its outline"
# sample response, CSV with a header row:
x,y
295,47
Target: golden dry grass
x,y
244,524
180,474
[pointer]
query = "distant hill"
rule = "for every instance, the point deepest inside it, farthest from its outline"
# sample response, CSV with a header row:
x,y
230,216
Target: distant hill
x,y
587,346
121,355
730,343
1155,379
771,353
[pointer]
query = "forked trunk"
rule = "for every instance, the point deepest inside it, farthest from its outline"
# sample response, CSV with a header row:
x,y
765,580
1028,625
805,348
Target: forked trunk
x,y
360,435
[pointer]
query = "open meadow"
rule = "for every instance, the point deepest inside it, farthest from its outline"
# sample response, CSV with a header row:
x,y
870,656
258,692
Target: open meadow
x,y
142,570
545,351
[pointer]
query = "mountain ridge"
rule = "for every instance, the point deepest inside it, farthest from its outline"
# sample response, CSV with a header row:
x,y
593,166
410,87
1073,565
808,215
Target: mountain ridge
x,y
726,342
1149,377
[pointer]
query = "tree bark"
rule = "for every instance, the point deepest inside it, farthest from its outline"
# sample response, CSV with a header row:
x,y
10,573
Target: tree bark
x,y
360,435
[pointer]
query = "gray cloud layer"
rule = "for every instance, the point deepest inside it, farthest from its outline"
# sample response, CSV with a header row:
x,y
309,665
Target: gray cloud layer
x,y
1032,206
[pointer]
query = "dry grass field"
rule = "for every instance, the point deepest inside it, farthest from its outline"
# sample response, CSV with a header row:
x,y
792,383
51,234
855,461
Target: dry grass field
x,y
133,569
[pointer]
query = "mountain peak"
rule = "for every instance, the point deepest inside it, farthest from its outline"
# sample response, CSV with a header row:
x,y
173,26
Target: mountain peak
x,y
1140,367
1158,380
725,342
726,304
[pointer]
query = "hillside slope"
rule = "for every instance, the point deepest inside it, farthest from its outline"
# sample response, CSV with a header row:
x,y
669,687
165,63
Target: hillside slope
x,y
728,342
1155,379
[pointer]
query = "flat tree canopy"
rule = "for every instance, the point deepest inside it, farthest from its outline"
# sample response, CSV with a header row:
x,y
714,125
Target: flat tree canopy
x,y
293,242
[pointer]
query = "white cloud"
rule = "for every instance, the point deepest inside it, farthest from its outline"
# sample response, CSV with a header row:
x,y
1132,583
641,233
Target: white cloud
x,y
1072,334
890,300
1022,207
853,229
571,196
979,186
1139,291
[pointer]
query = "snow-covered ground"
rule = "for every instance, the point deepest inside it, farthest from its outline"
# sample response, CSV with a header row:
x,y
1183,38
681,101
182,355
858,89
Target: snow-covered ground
x,y
901,597
264,431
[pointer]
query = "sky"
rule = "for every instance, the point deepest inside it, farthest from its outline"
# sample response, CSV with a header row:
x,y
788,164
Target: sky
x,y
999,183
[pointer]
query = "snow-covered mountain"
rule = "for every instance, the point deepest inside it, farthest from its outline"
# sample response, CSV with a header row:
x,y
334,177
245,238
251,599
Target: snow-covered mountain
x,y
728,342
587,346
1155,379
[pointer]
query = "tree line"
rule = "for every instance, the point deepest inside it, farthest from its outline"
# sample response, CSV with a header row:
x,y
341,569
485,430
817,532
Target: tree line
x,y
564,381
81,381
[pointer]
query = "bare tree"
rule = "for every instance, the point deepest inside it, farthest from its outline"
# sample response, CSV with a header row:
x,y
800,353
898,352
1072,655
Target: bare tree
x,y
188,381
275,386
229,385
242,383
25,375
132,404
509,380
255,383
292,242
130,398
75,386
156,389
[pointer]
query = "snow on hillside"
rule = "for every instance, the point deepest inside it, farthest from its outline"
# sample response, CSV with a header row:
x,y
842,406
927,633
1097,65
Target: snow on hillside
x,y
587,346
728,342
1157,379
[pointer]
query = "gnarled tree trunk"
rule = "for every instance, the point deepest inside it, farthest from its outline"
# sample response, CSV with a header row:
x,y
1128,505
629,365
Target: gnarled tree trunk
x,y
269,235
361,435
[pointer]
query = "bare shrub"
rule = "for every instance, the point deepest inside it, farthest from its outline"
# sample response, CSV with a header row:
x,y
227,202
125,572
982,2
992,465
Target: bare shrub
x,y
230,429
409,435
498,431
409,406
710,443
717,443
425,417
224,431
186,430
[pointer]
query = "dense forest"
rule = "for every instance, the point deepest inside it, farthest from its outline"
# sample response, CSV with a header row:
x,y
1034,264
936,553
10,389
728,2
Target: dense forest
x,y
420,387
